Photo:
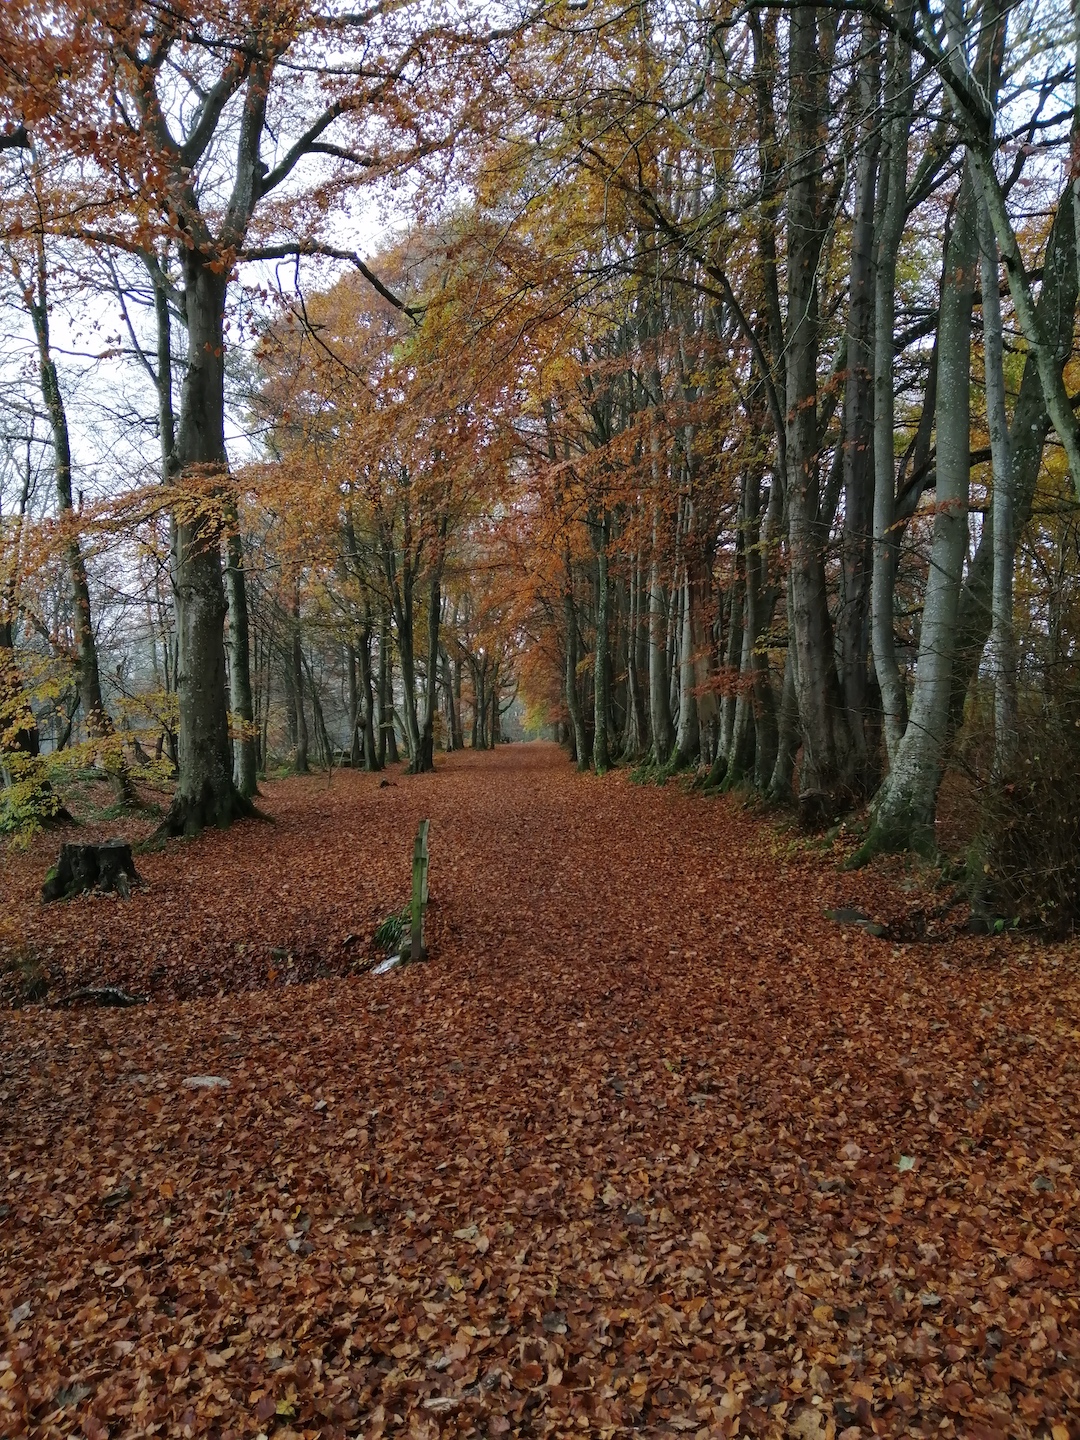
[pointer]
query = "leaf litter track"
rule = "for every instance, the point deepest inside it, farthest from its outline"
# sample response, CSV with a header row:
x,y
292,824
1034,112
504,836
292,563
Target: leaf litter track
x,y
649,1147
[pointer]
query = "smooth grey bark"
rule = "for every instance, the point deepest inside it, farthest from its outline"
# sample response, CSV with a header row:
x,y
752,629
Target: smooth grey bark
x,y
899,100
1027,438
386,750
904,808
974,109
573,702
453,720
459,719
763,592
853,619
163,376
687,731
296,656
601,754
1002,637
635,738
205,793
787,739
289,687
736,612
740,747
496,707
752,739
771,170
366,696
480,702
318,720
243,709
404,628
355,743
401,586
825,777
425,753
662,730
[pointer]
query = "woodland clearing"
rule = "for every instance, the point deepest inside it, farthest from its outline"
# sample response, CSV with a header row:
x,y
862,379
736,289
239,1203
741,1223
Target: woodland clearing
x,y
650,1146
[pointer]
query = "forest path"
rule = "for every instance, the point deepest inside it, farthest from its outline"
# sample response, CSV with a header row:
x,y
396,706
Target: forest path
x,y
648,1147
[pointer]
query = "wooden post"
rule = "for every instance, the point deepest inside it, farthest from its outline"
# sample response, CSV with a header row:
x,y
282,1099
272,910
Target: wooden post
x,y
418,909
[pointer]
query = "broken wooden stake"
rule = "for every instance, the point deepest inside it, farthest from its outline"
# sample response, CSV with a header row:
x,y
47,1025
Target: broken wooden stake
x,y
418,907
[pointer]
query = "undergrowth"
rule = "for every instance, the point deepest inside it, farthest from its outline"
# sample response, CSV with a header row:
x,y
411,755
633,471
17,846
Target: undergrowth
x,y
1024,862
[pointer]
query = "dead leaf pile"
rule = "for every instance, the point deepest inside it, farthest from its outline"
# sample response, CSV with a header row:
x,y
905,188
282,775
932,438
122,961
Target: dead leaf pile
x,y
650,1146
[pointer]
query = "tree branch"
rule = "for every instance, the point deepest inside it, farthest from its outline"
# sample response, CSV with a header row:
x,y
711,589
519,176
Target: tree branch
x,y
329,252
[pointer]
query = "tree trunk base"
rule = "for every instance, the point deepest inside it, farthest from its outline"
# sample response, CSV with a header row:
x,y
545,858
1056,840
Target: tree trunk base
x,y
895,828
104,869
189,815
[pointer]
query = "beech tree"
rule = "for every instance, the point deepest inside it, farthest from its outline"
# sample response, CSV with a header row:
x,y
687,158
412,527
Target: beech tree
x,y
716,393
212,111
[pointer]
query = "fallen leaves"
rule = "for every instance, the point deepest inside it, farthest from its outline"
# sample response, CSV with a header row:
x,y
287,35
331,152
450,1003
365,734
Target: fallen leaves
x,y
556,1181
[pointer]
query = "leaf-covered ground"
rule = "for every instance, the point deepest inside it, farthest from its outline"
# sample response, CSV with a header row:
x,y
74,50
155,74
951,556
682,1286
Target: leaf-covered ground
x,y
649,1147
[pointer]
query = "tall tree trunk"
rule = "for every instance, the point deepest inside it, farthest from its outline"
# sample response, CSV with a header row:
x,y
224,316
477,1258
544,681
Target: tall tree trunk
x,y
480,704
386,748
763,595
205,793
736,609
18,728
163,375
289,685
355,718
573,702
903,814
787,743
755,704
825,774
740,749
979,135
899,99
853,621
425,753
369,747
635,733
459,718
663,732
1027,439
496,712
453,722
318,720
98,721
687,732
402,599
300,760
1002,637
240,660
602,666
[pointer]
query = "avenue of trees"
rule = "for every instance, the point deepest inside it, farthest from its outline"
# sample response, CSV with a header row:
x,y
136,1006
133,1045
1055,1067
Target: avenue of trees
x,y
712,388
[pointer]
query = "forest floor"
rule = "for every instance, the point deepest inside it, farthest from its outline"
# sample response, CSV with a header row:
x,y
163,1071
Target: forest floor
x,y
649,1147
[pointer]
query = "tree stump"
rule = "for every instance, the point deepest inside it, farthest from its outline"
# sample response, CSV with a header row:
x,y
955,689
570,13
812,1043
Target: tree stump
x,y
103,868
